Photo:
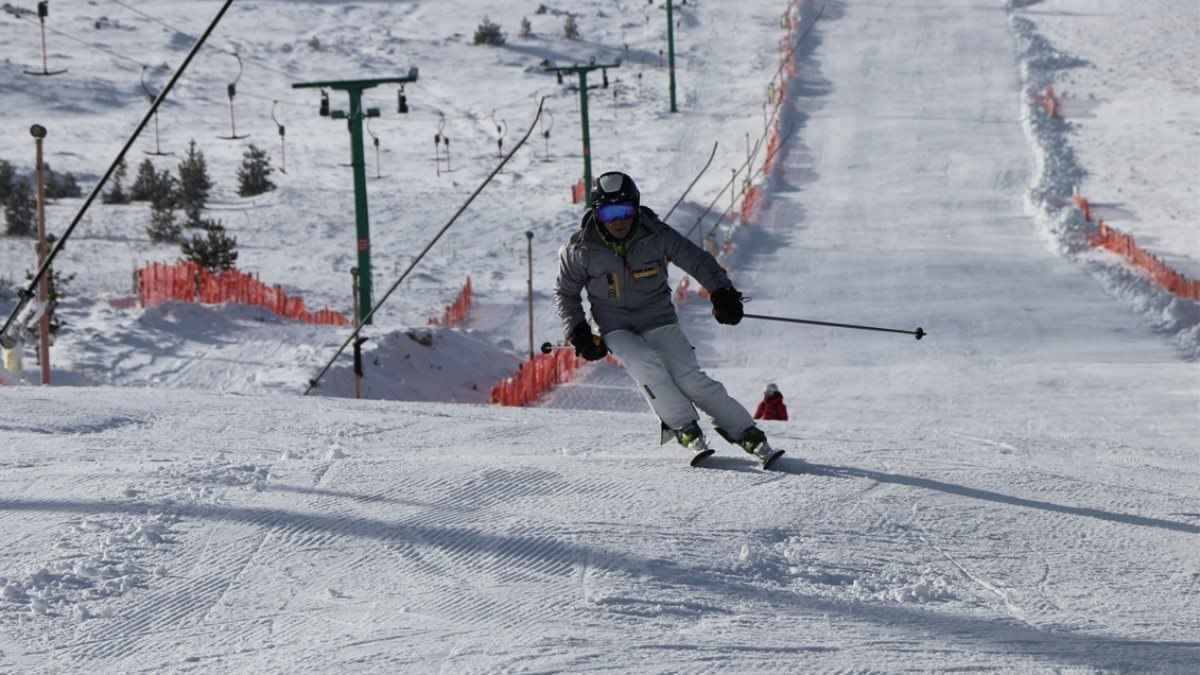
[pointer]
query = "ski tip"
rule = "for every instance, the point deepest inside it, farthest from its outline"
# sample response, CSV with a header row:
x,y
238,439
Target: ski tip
x,y
700,457
766,464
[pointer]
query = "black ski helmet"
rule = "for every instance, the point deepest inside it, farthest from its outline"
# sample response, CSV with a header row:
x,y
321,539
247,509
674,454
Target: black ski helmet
x,y
614,187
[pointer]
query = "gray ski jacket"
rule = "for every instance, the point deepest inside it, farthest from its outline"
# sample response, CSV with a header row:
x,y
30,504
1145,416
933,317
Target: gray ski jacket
x,y
627,283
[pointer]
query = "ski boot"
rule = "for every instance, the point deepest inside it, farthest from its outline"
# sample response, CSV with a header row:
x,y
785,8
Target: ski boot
x,y
754,441
692,438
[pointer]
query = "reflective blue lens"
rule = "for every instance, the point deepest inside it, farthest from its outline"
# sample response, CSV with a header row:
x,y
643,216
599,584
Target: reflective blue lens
x,y
611,212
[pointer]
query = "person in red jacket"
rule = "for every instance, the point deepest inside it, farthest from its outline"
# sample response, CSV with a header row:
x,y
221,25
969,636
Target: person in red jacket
x,y
771,407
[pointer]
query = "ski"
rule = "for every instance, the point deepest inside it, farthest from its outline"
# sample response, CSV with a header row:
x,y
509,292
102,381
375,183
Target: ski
x,y
698,458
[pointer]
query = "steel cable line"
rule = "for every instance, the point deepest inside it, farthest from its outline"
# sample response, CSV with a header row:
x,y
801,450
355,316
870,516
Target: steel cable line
x,y
187,34
85,42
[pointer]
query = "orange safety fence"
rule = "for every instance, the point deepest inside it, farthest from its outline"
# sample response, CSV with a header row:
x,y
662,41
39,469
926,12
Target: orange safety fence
x,y
773,143
681,291
750,204
1084,207
537,376
1049,103
1160,272
1124,245
752,197
189,282
456,313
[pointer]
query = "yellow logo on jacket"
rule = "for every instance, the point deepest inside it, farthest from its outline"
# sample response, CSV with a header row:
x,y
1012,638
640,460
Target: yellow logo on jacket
x,y
645,273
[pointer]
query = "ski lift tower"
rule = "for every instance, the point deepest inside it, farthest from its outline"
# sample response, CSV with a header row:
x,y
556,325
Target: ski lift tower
x,y
355,118
582,72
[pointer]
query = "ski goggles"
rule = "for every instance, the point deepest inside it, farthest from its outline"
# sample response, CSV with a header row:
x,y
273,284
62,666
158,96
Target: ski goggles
x,y
610,212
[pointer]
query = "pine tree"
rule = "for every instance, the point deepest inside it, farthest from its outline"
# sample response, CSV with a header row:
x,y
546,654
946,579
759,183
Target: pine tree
x,y
56,286
194,185
8,179
59,185
163,228
70,186
216,251
145,184
20,211
489,33
254,173
571,28
116,193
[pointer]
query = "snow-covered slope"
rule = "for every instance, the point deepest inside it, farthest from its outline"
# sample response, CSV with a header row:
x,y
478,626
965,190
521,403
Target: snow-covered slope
x,y
1017,492
230,533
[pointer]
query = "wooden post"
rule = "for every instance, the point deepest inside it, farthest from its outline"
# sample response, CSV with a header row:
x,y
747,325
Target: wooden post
x,y
358,370
39,133
529,237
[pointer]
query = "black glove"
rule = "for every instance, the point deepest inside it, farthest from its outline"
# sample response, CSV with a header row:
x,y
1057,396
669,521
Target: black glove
x,y
727,305
587,346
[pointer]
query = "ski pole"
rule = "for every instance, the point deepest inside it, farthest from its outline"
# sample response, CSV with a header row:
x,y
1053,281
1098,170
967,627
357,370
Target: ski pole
x,y
548,347
919,332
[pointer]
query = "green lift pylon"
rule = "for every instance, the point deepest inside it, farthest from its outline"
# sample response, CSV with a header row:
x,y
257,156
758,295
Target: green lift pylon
x,y
355,118
671,51
582,72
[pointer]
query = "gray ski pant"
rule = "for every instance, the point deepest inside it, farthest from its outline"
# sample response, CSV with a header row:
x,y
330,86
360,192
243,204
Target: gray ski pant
x,y
663,363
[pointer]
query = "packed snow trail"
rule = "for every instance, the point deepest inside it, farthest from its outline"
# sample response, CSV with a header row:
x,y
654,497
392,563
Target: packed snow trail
x,y
324,534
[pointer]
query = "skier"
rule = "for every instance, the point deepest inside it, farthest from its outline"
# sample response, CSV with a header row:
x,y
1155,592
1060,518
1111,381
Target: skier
x,y
620,255
771,407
